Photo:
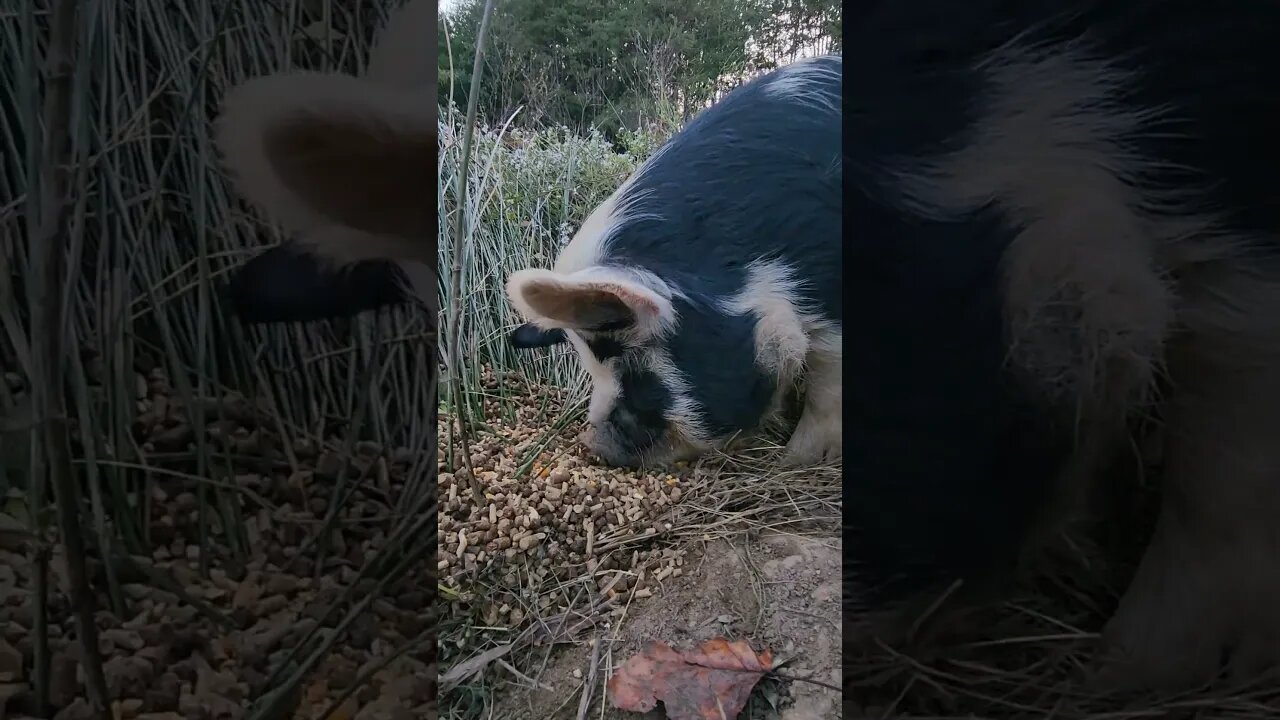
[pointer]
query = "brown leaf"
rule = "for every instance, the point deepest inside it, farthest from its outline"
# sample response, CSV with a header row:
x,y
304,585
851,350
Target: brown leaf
x,y
712,682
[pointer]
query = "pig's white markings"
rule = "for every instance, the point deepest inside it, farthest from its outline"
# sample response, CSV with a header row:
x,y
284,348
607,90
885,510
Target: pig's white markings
x,y
807,81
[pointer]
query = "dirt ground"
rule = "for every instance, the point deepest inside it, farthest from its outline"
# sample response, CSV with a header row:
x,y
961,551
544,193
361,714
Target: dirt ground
x,y
777,591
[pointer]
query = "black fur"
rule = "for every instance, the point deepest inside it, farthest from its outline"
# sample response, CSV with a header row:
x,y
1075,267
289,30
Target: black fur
x,y
285,284
635,425
948,454
529,335
604,346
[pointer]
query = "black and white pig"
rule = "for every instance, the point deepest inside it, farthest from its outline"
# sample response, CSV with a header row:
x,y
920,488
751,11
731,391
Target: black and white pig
x,y
1064,219
348,165
709,285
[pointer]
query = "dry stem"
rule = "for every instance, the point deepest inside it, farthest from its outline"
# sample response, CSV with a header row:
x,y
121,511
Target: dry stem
x,y
50,277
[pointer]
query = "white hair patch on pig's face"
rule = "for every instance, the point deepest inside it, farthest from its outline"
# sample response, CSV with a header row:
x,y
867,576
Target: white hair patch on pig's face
x,y
684,415
642,410
605,385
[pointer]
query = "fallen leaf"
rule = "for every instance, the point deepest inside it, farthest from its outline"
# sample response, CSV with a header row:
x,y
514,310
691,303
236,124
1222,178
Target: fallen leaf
x,y
712,682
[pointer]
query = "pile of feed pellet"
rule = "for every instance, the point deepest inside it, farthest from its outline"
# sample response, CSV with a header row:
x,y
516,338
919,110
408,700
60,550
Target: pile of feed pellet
x,y
203,630
551,512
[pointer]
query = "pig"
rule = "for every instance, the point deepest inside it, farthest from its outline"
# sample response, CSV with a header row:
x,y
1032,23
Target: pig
x,y
1064,227
348,166
706,290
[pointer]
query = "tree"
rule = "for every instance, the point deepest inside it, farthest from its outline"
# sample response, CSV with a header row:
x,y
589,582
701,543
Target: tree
x,y
612,64
792,28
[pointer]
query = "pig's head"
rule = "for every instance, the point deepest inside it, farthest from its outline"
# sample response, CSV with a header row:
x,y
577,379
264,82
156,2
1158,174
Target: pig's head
x,y
672,373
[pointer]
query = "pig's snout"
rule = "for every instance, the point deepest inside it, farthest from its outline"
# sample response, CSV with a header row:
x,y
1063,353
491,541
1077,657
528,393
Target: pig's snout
x,y
595,443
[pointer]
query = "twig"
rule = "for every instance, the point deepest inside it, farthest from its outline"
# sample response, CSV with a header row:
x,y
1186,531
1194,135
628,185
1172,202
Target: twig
x,y
48,252
535,683
455,280
584,705
807,679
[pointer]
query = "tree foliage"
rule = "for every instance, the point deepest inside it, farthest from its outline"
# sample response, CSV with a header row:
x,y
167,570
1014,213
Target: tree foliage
x,y
622,64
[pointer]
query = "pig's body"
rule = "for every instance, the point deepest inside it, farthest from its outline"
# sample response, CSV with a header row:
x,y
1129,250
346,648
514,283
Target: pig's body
x,y
710,283
1064,219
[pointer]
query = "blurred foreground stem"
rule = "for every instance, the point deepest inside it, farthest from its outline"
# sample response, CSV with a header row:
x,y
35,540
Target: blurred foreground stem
x,y
49,278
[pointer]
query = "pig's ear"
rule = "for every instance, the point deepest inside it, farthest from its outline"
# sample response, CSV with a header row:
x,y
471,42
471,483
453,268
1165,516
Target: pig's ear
x,y
346,163
529,336
572,302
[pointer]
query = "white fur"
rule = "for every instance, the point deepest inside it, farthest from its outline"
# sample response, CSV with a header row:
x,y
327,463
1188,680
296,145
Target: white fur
x,y
1054,153
794,341
798,81
784,323
685,414
589,244
605,388
819,436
